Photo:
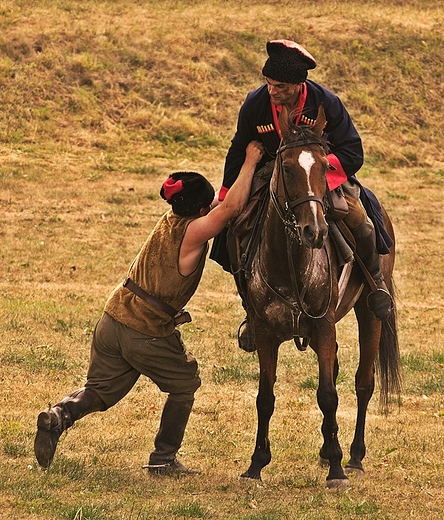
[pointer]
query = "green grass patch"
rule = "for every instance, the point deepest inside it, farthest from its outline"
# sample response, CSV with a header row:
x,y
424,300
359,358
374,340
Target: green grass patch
x,y
235,374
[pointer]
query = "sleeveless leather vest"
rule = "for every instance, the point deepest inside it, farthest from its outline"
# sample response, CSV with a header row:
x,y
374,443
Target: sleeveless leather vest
x,y
156,270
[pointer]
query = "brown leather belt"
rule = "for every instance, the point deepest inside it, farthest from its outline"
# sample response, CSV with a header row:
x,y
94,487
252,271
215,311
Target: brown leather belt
x,y
180,317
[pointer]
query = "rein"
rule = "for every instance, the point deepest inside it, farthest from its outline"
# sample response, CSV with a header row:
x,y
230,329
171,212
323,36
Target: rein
x,y
294,231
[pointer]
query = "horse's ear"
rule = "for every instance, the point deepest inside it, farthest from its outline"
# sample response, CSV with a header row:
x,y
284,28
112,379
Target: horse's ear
x,y
321,121
284,121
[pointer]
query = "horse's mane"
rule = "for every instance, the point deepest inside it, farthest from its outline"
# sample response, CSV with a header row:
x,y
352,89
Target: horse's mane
x,y
305,134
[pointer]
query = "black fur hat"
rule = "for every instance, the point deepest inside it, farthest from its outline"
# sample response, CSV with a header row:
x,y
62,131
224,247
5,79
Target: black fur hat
x,y
288,62
187,192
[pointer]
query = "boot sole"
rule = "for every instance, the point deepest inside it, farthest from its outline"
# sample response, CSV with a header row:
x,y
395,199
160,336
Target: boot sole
x,y
174,468
170,472
44,421
46,440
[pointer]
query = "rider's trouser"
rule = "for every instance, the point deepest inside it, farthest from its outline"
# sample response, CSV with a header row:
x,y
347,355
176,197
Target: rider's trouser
x,y
362,229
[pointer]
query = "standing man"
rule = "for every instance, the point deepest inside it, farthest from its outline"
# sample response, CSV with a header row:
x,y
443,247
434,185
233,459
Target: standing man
x,y
137,332
285,72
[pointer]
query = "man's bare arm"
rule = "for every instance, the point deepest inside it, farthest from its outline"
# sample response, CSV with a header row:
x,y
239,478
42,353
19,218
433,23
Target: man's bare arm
x,y
200,230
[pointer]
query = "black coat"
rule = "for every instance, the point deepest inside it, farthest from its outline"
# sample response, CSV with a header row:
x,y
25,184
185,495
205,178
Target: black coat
x,y
255,122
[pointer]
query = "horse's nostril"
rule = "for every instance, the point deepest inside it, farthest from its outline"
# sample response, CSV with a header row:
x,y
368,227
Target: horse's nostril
x,y
314,236
309,234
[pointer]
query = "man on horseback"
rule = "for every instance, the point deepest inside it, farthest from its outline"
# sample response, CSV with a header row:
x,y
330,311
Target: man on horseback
x,y
285,72
137,332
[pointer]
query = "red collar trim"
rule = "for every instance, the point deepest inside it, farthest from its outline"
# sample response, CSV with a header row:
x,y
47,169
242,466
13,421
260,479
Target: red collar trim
x,y
276,109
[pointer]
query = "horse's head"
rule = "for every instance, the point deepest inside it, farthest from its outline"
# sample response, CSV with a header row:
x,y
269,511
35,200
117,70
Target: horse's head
x,y
299,182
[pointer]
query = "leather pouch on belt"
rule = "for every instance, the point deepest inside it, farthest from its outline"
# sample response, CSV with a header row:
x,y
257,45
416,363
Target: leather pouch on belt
x,y
337,205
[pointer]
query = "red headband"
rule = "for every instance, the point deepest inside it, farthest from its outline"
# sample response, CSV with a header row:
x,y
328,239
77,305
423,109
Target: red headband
x,y
171,187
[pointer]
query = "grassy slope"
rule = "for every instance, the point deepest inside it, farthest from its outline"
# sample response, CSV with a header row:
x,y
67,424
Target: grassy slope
x,y
100,100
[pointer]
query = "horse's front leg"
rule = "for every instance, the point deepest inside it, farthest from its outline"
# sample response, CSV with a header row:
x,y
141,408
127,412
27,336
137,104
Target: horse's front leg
x,y
324,344
267,350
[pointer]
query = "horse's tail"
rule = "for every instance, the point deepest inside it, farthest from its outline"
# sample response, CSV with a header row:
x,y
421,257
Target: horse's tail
x,y
388,362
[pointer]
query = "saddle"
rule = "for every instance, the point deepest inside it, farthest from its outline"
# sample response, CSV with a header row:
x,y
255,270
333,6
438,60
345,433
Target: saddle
x,y
244,233
248,225
257,202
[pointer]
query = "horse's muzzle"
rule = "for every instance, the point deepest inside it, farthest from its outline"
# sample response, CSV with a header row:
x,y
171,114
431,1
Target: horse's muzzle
x,y
314,236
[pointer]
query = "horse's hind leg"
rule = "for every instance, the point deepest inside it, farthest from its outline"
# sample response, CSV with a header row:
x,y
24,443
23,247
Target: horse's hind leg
x,y
369,336
268,352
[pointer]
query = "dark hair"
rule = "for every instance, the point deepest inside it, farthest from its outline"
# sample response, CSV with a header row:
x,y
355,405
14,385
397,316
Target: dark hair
x,y
187,192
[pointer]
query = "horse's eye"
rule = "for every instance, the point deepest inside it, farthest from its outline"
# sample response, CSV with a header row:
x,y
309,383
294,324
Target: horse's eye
x,y
288,171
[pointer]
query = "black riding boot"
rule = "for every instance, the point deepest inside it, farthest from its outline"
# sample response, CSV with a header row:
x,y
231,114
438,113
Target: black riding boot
x,y
52,422
379,301
244,334
169,438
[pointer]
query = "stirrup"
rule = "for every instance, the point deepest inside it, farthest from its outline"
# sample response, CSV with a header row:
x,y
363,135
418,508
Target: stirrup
x,y
245,337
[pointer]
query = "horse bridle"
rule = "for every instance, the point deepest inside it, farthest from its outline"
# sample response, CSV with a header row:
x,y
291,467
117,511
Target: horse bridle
x,y
293,229
286,212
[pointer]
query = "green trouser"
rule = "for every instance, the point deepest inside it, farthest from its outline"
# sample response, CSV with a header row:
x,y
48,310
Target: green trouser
x,y
120,354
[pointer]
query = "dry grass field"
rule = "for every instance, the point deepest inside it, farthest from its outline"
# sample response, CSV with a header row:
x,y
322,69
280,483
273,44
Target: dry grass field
x,y
100,101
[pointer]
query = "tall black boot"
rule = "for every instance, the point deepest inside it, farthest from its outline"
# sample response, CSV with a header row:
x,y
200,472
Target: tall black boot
x,y
245,337
52,422
244,333
169,438
379,301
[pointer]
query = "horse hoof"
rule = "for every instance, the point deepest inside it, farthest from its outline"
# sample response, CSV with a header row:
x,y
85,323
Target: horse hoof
x,y
356,472
246,476
338,484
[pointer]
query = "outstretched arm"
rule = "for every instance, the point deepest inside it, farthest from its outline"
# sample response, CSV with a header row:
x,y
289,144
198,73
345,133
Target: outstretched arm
x,y
200,230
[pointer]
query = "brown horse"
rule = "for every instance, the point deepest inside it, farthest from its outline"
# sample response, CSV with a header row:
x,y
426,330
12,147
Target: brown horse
x,y
295,290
